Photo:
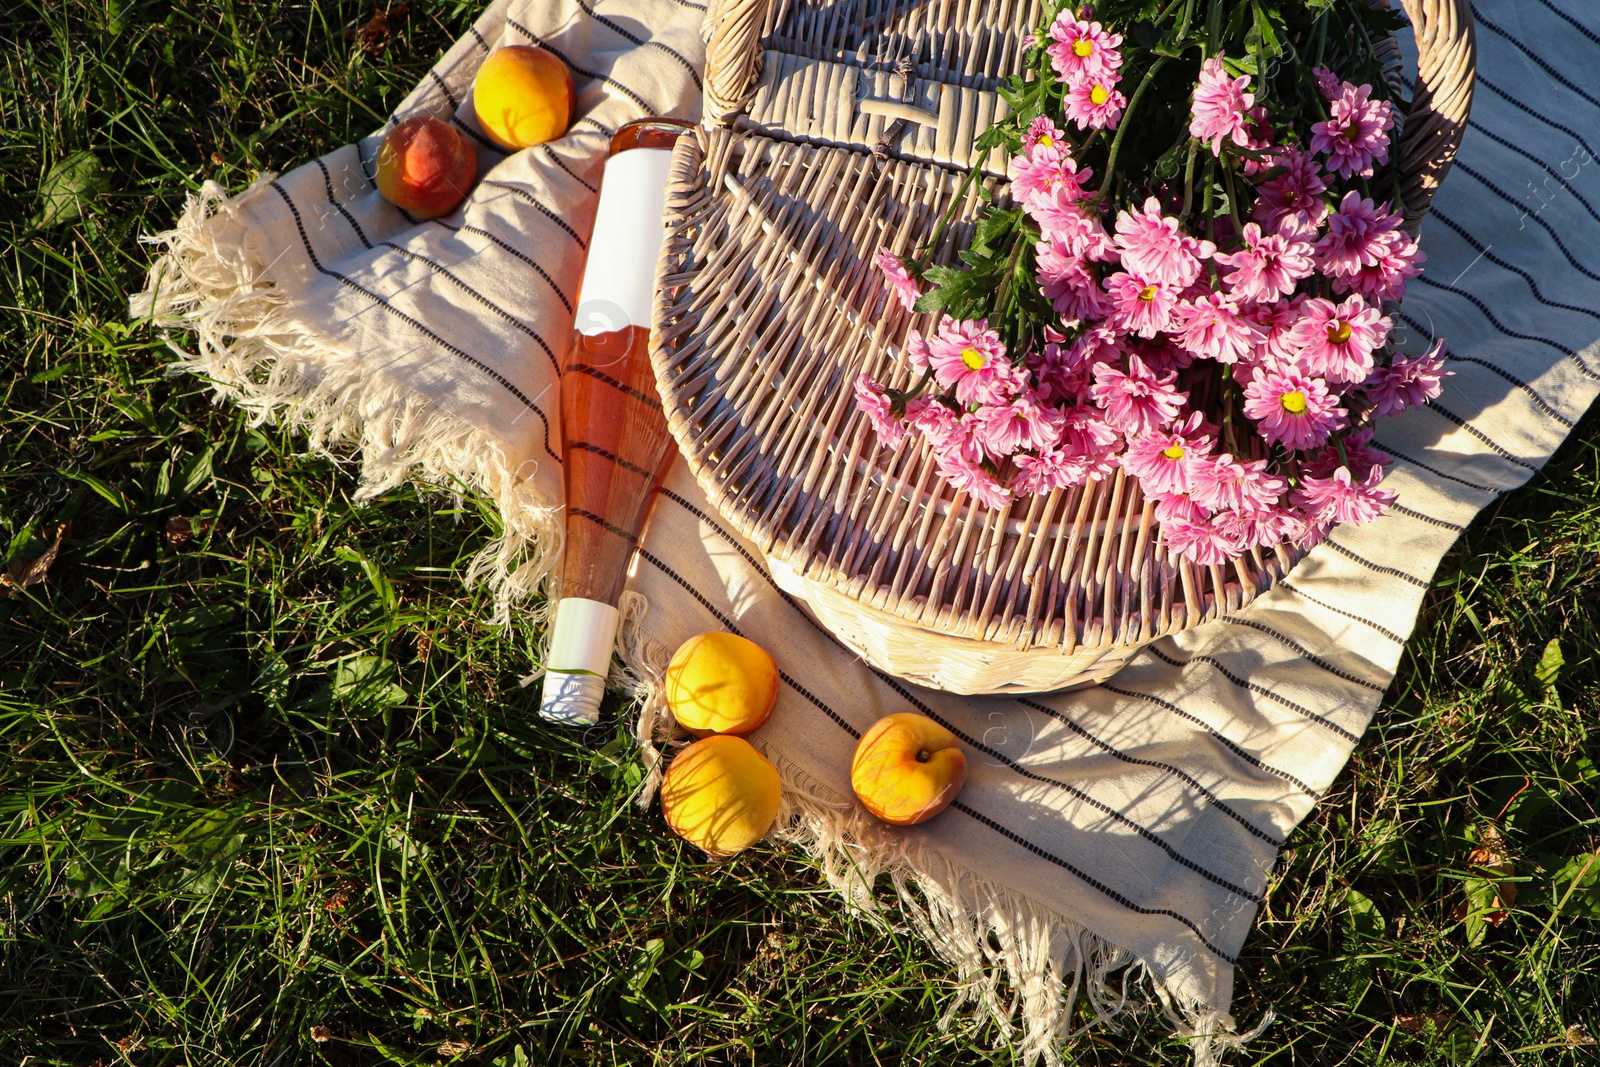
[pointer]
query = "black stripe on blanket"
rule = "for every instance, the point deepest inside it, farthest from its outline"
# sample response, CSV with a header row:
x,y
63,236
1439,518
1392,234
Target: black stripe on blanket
x,y
642,42
465,357
523,194
957,805
1258,690
1402,457
515,322
1314,794
594,74
478,231
1297,591
1538,400
1116,753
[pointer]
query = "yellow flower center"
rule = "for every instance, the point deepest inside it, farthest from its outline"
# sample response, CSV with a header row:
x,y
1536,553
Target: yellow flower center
x,y
1338,333
1147,294
1099,95
1046,140
1175,452
1082,47
972,358
1294,403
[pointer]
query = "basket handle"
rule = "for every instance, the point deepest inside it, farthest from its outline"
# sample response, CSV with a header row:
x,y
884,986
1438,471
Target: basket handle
x,y
1447,67
732,30
1447,56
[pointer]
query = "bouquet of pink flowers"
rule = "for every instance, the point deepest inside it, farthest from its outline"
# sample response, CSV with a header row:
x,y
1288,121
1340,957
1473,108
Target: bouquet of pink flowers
x,y
1210,318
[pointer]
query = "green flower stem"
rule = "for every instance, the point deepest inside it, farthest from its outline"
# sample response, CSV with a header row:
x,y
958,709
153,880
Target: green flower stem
x,y
1233,199
1188,178
1122,126
949,213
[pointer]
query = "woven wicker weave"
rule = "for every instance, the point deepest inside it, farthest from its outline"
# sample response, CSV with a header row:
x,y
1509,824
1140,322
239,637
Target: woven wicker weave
x,y
768,307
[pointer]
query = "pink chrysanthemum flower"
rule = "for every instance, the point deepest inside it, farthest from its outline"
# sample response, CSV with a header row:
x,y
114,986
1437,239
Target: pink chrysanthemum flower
x,y
1267,268
1094,103
1327,82
1179,507
935,422
1136,401
1356,236
1220,103
1162,461
1081,50
916,351
1049,470
1275,322
1162,354
1069,285
1296,193
1037,175
1090,442
1292,409
1041,131
1142,306
874,404
1358,455
1399,261
1407,382
1154,246
1057,369
1222,483
1205,544
1356,133
1262,528
1336,342
1259,128
900,280
965,475
969,358
1097,344
1340,498
1022,424
1061,218
1211,327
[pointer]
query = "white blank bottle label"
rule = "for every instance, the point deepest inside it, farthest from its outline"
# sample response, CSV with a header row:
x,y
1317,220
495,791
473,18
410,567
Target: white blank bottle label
x,y
619,280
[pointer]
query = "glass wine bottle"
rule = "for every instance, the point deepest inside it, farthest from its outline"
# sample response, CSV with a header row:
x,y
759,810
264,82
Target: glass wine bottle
x,y
616,447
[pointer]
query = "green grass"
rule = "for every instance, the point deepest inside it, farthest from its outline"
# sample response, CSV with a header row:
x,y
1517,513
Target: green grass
x,y
267,777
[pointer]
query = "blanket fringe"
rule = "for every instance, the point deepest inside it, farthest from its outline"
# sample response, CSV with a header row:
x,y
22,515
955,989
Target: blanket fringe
x,y
1019,967
254,352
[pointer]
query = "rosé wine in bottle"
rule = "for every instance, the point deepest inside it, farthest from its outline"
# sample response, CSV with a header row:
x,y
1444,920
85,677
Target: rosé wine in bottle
x,y
616,447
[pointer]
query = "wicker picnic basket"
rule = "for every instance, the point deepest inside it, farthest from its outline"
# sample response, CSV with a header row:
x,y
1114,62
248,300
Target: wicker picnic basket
x,y
834,129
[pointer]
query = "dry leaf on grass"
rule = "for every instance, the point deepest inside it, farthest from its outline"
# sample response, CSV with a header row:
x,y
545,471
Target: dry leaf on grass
x,y
1490,898
374,33
24,573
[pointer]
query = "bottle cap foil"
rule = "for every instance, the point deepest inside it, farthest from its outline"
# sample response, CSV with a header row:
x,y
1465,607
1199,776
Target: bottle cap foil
x,y
579,659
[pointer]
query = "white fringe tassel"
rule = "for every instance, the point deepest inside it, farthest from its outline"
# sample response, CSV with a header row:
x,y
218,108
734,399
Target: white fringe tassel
x,y
255,352
1019,966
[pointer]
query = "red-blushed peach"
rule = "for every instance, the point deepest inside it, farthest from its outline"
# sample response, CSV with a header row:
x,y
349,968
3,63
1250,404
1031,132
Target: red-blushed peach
x,y
426,166
721,683
524,96
907,768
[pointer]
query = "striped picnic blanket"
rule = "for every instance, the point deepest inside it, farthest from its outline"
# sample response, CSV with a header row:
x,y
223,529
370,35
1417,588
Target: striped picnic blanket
x,y
1136,823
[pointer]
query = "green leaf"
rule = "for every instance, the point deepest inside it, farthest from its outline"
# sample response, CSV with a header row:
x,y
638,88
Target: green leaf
x,y
368,682
1364,918
69,186
1550,664
1577,882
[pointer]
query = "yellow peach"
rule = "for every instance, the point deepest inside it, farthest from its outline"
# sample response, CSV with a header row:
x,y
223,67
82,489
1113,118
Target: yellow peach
x,y
524,96
721,683
426,167
720,795
907,768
